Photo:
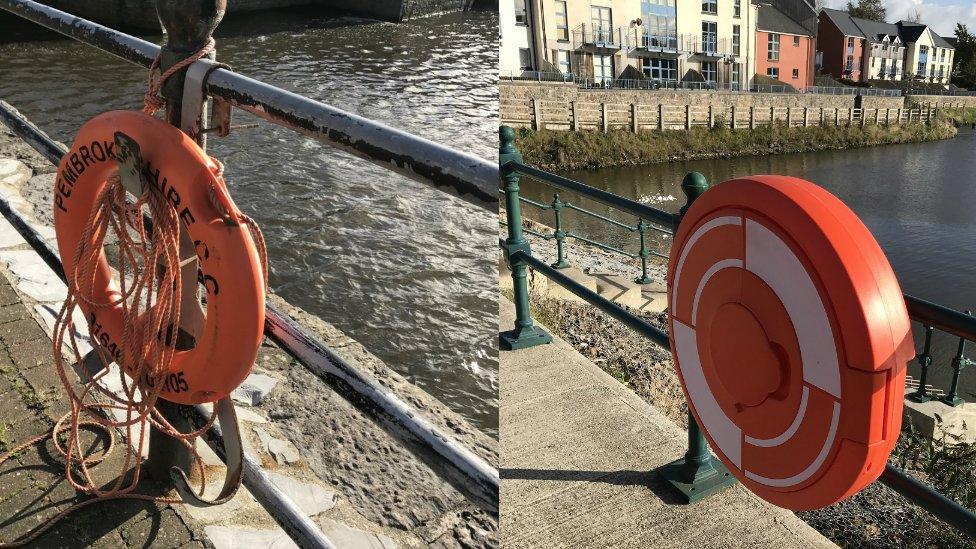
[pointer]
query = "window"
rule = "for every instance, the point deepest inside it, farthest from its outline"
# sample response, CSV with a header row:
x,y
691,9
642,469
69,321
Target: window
x,y
850,46
923,58
709,36
772,49
562,22
943,55
602,24
796,41
884,61
736,40
932,70
796,74
659,31
850,63
736,76
737,8
710,6
773,72
941,72
603,68
525,59
661,69
709,71
520,13
563,60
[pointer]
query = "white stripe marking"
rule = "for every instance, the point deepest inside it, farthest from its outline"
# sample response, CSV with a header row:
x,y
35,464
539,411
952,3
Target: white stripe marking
x,y
725,433
769,258
789,432
813,467
711,224
724,264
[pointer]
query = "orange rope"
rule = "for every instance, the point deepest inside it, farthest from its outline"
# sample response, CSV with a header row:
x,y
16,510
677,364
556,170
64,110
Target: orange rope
x,y
149,269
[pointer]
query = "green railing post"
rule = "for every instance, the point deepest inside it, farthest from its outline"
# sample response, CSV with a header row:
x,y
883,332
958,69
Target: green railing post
x,y
526,334
959,362
557,206
924,361
644,253
698,474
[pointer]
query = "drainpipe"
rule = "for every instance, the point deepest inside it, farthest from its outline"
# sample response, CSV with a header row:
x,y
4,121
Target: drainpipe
x,y
538,33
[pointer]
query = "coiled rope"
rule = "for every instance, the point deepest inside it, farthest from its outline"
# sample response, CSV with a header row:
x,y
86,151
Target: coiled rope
x,y
149,269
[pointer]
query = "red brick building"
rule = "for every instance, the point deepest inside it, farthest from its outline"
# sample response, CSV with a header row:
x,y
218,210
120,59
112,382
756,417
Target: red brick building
x,y
842,43
784,49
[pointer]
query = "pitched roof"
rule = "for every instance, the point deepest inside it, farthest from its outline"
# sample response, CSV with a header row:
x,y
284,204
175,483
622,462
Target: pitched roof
x,y
772,20
843,21
875,31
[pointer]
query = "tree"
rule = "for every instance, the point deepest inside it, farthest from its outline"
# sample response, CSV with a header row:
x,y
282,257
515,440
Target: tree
x,y
868,9
914,16
964,62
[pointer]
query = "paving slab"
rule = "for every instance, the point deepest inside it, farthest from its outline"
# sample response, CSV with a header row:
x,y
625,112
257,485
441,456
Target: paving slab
x,y
579,453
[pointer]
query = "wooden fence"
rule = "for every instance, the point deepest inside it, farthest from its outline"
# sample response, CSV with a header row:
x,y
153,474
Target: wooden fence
x,y
577,115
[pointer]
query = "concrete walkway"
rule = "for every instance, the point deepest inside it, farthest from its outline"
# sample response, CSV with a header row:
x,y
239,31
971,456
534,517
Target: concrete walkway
x,y
579,452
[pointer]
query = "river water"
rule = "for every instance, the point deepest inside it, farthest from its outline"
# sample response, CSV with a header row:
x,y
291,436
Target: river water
x,y
406,270
919,200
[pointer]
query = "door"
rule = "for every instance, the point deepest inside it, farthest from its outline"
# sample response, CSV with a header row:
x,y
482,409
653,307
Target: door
x,y
602,24
603,69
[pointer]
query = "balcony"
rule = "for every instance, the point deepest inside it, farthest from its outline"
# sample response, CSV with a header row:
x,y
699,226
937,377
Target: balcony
x,y
646,44
597,39
710,49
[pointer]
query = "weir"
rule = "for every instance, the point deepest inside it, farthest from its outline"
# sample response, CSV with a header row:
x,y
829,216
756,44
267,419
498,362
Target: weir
x,y
141,14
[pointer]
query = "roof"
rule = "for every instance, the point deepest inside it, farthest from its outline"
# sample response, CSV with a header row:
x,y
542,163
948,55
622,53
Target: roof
x,y
772,20
843,21
874,31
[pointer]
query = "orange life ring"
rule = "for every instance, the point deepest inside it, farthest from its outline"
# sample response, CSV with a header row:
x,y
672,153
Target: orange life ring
x,y
791,338
230,264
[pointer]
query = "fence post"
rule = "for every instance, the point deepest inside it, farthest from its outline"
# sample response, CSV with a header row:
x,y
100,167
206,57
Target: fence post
x,y
732,118
660,116
837,116
643,253
525,334
924,361
958,363
687,117
752,118
806,116
789,117
698,474
877,117
850,116
573,115
862,112
560,234
772,116
711,117
606,123
899,116
633,116
536,115
188,27
822,117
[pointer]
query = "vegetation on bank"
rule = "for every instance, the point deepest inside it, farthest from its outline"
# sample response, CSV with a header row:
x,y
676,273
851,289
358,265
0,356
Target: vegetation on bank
x,y
963,116
568,150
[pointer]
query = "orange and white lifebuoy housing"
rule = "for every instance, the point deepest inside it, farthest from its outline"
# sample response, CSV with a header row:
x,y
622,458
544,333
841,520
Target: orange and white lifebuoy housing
x,y
232,270
791,338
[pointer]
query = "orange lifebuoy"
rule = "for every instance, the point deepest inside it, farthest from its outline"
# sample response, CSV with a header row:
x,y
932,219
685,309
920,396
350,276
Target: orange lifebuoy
x,y
231,267
790,336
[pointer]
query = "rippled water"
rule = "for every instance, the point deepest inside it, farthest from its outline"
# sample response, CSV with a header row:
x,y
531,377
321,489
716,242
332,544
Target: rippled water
x,y
919,200
406,270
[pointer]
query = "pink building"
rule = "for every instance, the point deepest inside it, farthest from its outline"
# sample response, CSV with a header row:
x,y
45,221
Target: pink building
x,y
784,49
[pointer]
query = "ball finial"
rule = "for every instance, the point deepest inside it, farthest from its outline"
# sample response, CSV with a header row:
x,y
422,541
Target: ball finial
x,y
506,137
693,185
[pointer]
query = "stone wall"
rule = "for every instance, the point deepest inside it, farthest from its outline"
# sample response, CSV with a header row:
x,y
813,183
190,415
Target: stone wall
x,y
945,100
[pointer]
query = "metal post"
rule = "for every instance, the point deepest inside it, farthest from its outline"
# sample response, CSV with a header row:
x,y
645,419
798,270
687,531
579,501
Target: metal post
x,y
698,474
525,334
644,253
557,206
924,361
958,363
188,26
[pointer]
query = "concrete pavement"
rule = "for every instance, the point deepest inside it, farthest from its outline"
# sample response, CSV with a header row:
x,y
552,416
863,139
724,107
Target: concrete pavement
x,y
578,455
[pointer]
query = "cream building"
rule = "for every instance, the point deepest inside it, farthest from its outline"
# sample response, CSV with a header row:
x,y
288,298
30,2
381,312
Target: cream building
x,y
667,40
929,56
515,54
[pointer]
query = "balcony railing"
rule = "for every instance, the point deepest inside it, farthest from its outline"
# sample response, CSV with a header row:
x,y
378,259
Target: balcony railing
x,y
643,39
597,37
710,47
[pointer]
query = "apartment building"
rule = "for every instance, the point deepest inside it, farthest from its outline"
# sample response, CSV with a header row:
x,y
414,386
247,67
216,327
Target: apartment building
x,y
864,50
784,49
668,40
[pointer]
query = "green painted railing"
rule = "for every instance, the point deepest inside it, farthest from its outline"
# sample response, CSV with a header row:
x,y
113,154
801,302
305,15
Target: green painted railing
x,y
698,474
559,234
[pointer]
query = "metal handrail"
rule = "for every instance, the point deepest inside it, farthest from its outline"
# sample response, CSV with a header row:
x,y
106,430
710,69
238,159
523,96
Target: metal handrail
x,y
520,257
471,178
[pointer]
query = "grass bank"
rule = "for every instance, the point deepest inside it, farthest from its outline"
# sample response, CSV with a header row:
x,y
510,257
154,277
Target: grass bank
x,y
567,150
963,116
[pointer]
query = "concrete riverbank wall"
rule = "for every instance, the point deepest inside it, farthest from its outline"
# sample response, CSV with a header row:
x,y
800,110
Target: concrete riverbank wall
x,y
141,14
560,104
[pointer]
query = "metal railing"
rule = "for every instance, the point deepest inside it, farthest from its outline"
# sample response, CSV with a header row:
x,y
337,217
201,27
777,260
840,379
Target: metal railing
x,y
598,37
537,76
559,235
699,469
469,177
